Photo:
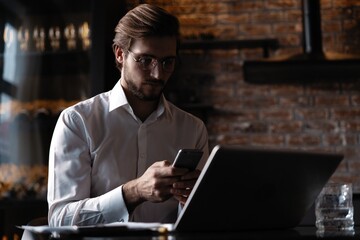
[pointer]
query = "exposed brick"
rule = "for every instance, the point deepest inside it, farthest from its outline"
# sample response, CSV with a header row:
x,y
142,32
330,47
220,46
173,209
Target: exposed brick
x,y
250,127
328,88
258,29
344,178
293,15
265,17
213,7
267,140
260,102
333,14
235,139
311,113
351,125
294,101
290,39
331,26
349,25
304,140
226,106
183,9
225,32
247,6
285,28
247,90
354,167
231,19
339,139
345,3
276,114
351,153
281,4
319,126
226,78
325,4
285,127
221,92
340,100
346,113
329,43
287,90
218,126
197,20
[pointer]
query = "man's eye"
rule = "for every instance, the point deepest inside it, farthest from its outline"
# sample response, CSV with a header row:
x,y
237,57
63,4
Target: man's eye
x,y
169,61
145,61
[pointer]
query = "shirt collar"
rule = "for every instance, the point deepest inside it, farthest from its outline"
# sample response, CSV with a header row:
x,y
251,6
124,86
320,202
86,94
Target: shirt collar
x,y
117,97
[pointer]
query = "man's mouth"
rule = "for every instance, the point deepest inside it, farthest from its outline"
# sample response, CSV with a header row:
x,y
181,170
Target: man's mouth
x,y
155,83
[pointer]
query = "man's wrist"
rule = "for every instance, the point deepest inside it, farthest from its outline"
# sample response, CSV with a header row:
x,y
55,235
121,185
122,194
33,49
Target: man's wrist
x,y
131,195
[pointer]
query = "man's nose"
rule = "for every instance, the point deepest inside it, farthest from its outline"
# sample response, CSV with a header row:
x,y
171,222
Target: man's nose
x,y
157,71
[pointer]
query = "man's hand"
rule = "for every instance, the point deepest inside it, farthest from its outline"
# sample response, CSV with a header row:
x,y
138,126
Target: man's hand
x,y
182,188
154,185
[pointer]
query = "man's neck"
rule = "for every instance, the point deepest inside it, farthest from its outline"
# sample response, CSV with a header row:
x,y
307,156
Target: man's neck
x,y
142,109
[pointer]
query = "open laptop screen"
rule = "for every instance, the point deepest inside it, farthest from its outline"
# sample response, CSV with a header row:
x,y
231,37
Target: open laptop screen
x,y
255,188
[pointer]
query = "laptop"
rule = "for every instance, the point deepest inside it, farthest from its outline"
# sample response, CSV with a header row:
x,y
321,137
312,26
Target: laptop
x,y
242,188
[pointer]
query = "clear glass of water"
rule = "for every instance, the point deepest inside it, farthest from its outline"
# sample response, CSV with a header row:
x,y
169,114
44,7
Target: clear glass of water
x,y
334,209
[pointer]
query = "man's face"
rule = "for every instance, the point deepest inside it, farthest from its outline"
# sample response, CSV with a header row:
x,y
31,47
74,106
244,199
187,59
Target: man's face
x,y
148,65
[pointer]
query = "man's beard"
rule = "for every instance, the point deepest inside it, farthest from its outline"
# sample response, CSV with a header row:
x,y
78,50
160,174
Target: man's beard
x,y
137,91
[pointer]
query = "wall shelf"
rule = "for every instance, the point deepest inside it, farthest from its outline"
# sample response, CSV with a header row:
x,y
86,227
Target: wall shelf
x,y
266,44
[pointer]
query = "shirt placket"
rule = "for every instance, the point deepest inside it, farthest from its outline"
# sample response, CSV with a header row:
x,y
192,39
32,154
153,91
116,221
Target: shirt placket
x,y
142,146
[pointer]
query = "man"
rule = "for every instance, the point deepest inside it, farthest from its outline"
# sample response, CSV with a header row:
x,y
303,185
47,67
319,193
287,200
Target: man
x,y
110,156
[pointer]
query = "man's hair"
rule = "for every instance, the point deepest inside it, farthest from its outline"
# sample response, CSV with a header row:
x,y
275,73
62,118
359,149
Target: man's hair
x,y
145,20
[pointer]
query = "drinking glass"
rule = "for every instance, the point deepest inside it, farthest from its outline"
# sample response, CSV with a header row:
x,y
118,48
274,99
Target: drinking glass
x,y
334,208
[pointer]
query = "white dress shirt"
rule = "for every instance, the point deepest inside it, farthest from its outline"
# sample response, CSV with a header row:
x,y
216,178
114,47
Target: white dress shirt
x,y
99,144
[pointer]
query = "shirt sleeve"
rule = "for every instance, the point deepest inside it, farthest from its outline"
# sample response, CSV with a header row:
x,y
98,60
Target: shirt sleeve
x,y
69,182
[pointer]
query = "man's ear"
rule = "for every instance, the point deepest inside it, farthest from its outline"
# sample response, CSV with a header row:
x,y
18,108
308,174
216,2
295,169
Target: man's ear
x,y
119,54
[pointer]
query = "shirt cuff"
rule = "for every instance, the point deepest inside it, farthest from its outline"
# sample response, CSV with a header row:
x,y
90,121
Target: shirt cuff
x,y
113,207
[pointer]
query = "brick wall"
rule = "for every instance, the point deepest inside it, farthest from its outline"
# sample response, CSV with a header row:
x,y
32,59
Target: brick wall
x,y
317,115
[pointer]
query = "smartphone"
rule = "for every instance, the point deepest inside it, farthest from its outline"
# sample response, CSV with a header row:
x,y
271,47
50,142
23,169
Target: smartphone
x,y
188,158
